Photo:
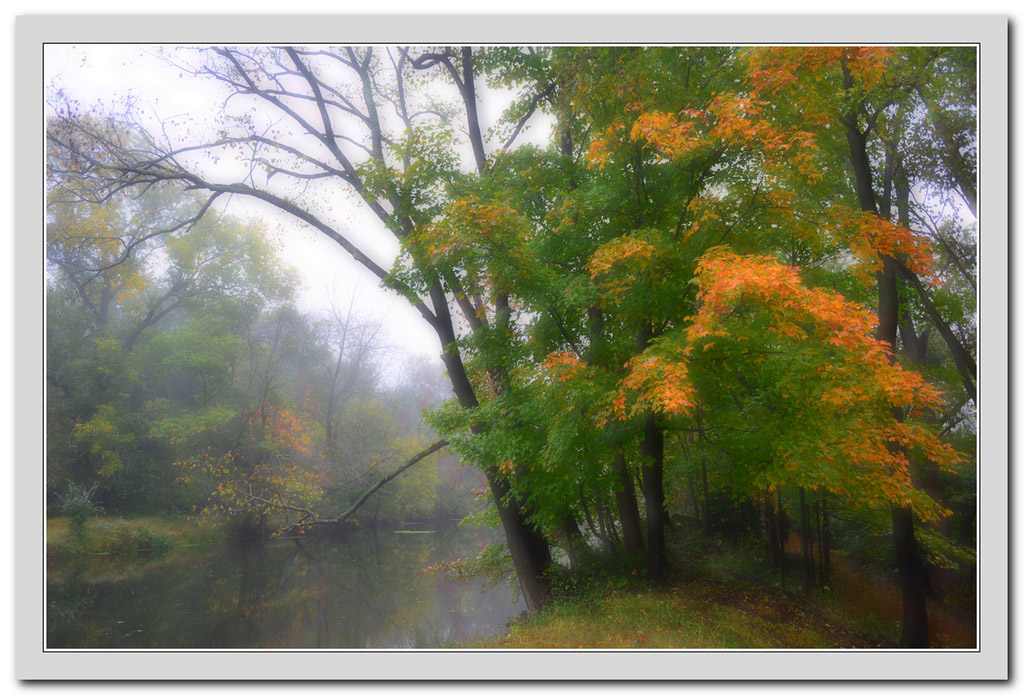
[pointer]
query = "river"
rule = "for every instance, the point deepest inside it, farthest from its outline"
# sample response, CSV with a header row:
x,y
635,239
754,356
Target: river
x,y
365,590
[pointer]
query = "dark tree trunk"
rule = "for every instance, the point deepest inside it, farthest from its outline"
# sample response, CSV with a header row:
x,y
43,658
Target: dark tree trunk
x,y
780,532
805,543
625,492
575,545
596,529
707,499
963,174
704,478
652,454
530,552
693,499
828,540
962,358
605,519
912,580
823,550
652,450
629,512
468,88
106,299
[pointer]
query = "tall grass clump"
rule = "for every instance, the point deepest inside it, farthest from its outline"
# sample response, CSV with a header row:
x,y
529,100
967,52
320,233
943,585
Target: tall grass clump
x,y
78,506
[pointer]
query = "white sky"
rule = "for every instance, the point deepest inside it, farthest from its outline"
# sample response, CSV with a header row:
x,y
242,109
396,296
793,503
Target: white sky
x,y
100,73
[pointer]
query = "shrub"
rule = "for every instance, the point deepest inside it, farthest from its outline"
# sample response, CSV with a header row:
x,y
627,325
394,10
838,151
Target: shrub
x,y
77,504
121,538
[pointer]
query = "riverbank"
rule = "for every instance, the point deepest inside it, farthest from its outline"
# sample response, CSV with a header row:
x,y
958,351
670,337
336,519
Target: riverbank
x,y
103,535
716,599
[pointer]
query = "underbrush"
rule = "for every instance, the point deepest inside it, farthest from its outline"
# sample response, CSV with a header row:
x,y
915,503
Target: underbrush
x,y
596,577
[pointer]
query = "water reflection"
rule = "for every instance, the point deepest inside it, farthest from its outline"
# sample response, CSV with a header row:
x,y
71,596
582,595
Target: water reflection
x,y
364,591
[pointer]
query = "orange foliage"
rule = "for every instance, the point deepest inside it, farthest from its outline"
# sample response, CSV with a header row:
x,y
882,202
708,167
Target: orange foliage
x,y
657,383
599,151
285,429
638,251
776,68
724,278
487,240
563,365
870,238
730,120
860,384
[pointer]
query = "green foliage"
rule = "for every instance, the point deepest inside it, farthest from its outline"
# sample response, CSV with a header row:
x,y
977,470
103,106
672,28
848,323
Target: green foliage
x,y
493,563
77,504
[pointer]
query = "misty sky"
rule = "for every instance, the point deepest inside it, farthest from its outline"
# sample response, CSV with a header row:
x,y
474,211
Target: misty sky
x,y
99,74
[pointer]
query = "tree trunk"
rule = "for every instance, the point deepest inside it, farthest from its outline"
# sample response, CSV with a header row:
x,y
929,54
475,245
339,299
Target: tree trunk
x,y
604,519
530,553
629,512
652,450
652,454
597,532
575,545
915,624
805,544
819,515
770,533
911,571
707,499
827,528
951,156
780,532
704,478
693,499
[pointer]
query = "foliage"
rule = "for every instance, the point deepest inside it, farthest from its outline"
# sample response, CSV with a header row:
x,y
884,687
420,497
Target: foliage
x,y
78,505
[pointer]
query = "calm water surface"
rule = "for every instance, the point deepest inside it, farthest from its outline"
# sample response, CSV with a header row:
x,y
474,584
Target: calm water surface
x,y
364,591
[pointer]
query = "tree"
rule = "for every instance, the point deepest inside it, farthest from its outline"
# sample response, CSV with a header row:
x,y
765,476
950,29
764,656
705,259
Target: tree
x,y
872,94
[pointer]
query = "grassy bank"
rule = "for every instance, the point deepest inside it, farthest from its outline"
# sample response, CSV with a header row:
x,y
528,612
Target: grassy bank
x,y
717,598
116,536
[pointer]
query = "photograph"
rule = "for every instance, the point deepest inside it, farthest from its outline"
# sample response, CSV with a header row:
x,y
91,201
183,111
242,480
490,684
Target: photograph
x,y
492,349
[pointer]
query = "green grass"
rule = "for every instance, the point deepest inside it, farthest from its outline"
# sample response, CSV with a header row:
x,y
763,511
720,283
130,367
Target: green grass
x,y
127,536
719,596
693,614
